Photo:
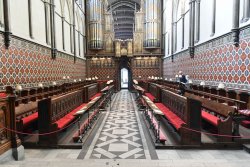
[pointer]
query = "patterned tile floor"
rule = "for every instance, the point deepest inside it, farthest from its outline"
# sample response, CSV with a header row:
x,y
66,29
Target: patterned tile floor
x,y
120,137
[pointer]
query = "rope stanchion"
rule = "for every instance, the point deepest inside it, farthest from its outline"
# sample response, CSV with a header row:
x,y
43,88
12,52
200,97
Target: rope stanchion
x,y
38,134
214,134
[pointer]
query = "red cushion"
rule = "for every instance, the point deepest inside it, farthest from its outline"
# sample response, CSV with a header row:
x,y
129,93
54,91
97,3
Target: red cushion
x,y
210,118
77,109
172,117
64,121
150,96
246,124
68,118
162,136
245,112
96,95
29,119
3,95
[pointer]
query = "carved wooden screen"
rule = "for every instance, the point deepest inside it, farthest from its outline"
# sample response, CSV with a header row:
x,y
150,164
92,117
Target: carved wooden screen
x,y
63,105
153,90
4,122
92,90
175,103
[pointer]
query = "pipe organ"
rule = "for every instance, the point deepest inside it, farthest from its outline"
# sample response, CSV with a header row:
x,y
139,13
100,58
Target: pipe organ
x,y
108,28
152,24
95,23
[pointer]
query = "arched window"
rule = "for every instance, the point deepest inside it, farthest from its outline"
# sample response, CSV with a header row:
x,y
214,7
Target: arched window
x,y
67,28
246,10
1,14
179,26
197,20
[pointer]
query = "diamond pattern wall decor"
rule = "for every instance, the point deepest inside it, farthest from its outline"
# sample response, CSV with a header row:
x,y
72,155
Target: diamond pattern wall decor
x,y
28,63
216,61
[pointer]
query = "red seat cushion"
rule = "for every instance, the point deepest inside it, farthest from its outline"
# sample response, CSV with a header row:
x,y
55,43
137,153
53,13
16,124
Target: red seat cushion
x,y
96,95
3,95
210,118
64,121
162,136
172,117
246,124
77,109
68,118
29,119
150,96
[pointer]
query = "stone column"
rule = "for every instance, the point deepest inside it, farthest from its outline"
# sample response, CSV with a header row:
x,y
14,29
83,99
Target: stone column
x,y
236,19
213,18
183,30
74,30
30,18
52,29
191,27
7,29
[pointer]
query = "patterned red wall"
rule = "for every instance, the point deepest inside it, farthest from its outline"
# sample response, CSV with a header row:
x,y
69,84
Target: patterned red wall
x,y
27,63
215,61
108,67
102,68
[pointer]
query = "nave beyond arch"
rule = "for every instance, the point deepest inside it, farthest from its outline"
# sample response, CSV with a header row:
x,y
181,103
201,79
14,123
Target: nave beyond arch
x,y
64,96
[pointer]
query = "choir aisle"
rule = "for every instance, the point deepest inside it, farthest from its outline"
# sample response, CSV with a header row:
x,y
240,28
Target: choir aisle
x,y
121,140
120,135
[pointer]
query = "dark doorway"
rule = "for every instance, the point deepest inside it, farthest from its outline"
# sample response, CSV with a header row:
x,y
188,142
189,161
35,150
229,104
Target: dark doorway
x,y
125,73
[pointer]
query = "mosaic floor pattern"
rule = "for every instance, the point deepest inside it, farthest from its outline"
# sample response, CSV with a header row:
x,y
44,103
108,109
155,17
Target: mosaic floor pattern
x,y
119,137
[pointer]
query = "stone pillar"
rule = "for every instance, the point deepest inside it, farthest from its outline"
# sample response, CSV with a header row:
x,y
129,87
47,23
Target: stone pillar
x,y
191,27
213,18
30,18
74,30
53,30
236,19
183,30
7,29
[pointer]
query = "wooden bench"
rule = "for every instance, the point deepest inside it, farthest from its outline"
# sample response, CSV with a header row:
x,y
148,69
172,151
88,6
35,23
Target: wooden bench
x,y
218,115
155,91
90,92
82,129
152,118
101,104
183,114
57,113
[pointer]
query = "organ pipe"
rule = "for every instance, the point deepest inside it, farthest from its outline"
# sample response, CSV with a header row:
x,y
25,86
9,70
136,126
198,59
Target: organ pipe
x,y
152,24
95,10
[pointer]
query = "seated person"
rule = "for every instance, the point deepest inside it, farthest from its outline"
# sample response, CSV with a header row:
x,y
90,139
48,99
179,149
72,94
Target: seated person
x,y
182,77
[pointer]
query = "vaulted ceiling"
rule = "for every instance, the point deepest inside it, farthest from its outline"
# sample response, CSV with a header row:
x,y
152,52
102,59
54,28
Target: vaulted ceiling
x,y
123,15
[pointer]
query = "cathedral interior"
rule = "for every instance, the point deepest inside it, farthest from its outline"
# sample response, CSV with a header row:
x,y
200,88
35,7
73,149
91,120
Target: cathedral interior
x,y
125,83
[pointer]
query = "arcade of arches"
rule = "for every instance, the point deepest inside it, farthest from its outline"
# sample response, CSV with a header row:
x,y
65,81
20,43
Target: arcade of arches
x,y
125,82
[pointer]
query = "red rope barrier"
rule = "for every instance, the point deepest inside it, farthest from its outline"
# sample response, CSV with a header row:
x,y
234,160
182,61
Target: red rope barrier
x,y
38,134
214,134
